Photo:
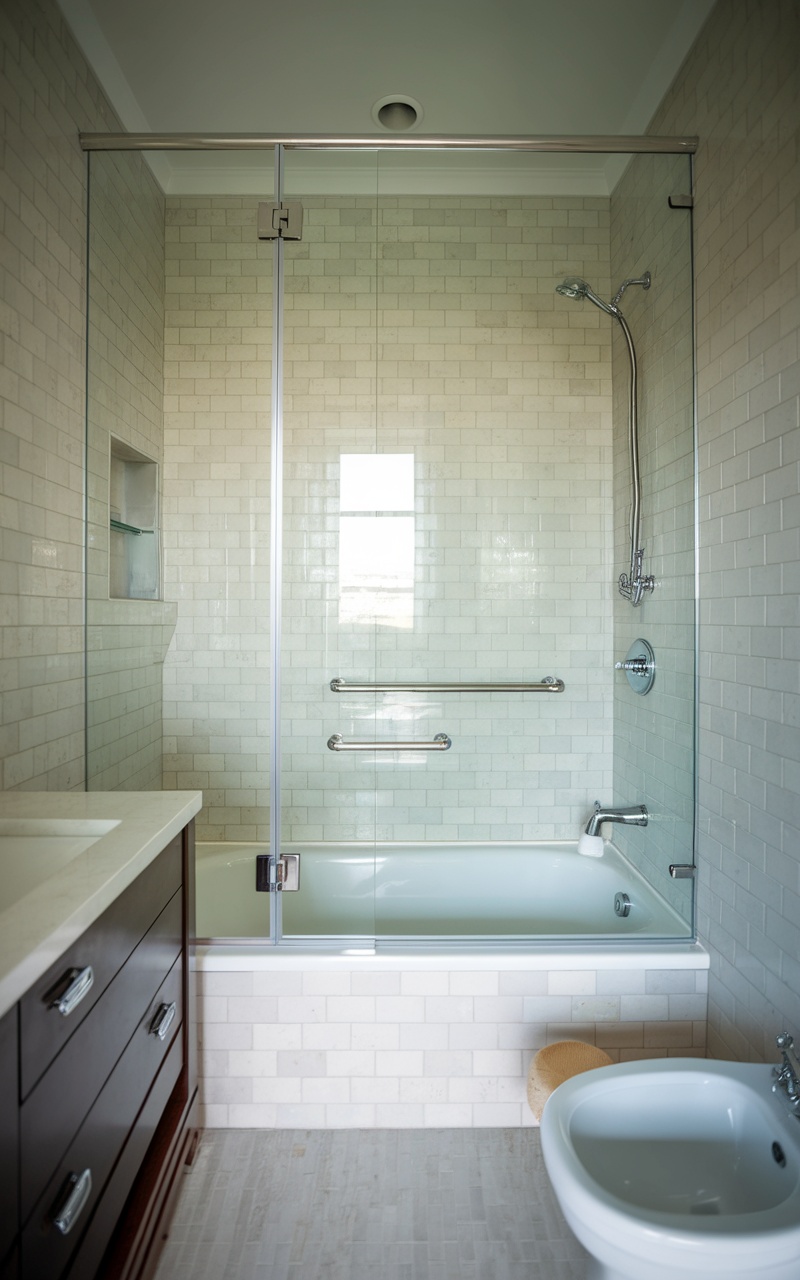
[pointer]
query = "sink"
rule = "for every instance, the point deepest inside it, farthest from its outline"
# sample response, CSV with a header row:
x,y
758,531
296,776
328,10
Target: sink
x,y
34,849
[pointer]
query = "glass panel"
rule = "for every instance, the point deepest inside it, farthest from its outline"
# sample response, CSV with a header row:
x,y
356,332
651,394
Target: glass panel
x,y
218,355
181,289
654,736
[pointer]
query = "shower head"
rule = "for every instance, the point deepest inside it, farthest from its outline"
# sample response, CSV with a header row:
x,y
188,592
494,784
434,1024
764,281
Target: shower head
x,y
574,287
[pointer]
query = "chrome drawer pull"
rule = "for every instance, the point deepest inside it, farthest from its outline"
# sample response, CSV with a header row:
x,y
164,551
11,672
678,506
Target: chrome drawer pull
x,y
81,983
163,1020
80,1188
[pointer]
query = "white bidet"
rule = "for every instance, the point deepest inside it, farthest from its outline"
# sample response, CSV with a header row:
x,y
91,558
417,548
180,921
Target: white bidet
x,y
678,1169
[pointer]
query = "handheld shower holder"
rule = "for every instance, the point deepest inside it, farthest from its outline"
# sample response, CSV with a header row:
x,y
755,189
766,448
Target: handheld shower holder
x,y
644,280
633,585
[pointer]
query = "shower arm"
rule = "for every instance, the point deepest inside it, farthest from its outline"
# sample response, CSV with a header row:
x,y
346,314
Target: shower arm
x,y
634,584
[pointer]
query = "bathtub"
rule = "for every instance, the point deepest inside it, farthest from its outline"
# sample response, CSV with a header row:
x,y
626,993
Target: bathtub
x,y
436,894
476,955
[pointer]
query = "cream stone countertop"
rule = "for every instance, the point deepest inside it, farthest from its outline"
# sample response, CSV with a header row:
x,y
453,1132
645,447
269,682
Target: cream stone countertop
x,y
52,887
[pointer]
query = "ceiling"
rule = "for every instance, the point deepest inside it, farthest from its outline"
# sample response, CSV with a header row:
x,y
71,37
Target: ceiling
x,y
476,67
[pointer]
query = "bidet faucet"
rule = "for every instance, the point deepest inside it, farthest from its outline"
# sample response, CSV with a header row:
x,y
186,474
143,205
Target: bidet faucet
x,y
636,816
787,1075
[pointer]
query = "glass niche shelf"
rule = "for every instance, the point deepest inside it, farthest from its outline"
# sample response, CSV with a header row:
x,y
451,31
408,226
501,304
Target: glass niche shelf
x,y
134,559
122,527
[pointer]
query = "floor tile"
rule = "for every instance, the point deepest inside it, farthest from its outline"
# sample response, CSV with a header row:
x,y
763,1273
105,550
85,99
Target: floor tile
x,y
374,1204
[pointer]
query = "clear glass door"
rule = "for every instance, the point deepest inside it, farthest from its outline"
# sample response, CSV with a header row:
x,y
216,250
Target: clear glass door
x,y
455,439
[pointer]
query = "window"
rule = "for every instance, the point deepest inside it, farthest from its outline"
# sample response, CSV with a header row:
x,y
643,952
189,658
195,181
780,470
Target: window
x,y
376,539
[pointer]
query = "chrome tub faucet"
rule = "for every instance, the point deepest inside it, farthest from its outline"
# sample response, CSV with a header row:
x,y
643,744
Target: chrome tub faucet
x,y
635,816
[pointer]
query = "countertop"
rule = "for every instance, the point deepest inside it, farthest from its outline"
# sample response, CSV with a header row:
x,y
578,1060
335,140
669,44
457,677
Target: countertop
x,y
36,928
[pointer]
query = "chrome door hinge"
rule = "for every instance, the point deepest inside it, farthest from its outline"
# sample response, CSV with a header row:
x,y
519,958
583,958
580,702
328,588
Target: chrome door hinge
x,y
280,221
276,875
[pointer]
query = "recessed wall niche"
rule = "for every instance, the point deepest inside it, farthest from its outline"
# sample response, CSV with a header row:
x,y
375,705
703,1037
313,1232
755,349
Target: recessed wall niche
x,y
134,559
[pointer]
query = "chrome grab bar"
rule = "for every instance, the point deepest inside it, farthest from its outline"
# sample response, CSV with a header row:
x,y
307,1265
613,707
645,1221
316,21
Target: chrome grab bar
x,y
548,684
440,743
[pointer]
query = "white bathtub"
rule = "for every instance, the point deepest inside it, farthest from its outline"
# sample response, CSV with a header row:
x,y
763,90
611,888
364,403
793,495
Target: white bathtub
x,y
463,894
430,1026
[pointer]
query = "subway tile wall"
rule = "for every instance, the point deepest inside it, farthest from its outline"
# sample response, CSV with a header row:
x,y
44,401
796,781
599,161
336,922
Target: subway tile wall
x,y
323,1047
739,91
127,642
216,512
48,94
424,327
126,639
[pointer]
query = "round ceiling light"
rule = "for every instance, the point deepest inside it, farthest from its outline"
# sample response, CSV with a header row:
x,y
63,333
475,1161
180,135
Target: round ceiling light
x,y
397,112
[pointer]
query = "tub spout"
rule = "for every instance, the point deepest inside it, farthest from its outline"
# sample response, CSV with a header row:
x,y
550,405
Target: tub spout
x,y
635,816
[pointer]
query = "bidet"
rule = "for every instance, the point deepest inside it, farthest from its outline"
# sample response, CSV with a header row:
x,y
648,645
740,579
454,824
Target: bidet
x,y
678,1169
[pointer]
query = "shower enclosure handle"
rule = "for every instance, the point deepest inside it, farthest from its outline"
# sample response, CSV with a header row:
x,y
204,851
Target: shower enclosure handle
x,y
440,743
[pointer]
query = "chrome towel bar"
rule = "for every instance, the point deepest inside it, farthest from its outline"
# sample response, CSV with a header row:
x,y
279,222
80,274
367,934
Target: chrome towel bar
x,y
440,743
548,684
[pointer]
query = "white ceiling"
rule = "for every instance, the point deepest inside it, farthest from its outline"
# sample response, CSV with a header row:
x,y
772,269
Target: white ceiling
x,y
477,67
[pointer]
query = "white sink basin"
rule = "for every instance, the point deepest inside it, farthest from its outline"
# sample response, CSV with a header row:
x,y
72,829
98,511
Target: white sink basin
x,y
34,849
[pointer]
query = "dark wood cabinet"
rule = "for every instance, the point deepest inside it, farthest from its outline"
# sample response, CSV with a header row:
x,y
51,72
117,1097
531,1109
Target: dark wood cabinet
x,y
99,1100
9,1146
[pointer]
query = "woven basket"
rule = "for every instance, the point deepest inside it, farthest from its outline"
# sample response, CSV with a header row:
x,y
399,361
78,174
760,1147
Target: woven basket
x,y
556,1063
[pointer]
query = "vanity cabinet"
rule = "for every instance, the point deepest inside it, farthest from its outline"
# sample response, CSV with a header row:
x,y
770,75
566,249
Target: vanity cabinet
x,y
9,1146
106,1086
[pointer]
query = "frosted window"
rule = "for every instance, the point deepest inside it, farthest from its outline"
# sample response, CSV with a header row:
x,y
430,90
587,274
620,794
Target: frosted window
x,y
376,482
376,551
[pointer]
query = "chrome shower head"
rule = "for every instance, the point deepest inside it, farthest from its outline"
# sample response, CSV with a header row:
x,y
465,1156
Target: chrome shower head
x,y
574,287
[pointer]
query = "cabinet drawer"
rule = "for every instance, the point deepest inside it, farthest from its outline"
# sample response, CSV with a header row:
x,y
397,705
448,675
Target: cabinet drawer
x,y
45,1250
9,1134
54,1111
9,1266
97,1258
105,947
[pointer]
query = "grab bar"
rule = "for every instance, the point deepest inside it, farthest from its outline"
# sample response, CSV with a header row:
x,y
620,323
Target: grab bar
x,y
440,743
548,684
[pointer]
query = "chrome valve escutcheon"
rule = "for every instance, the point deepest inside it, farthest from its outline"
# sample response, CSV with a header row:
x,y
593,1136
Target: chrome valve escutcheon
x,y
639,666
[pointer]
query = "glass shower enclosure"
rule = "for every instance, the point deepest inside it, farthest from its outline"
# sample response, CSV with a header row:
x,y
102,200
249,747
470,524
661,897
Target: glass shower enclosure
x,y
388,467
